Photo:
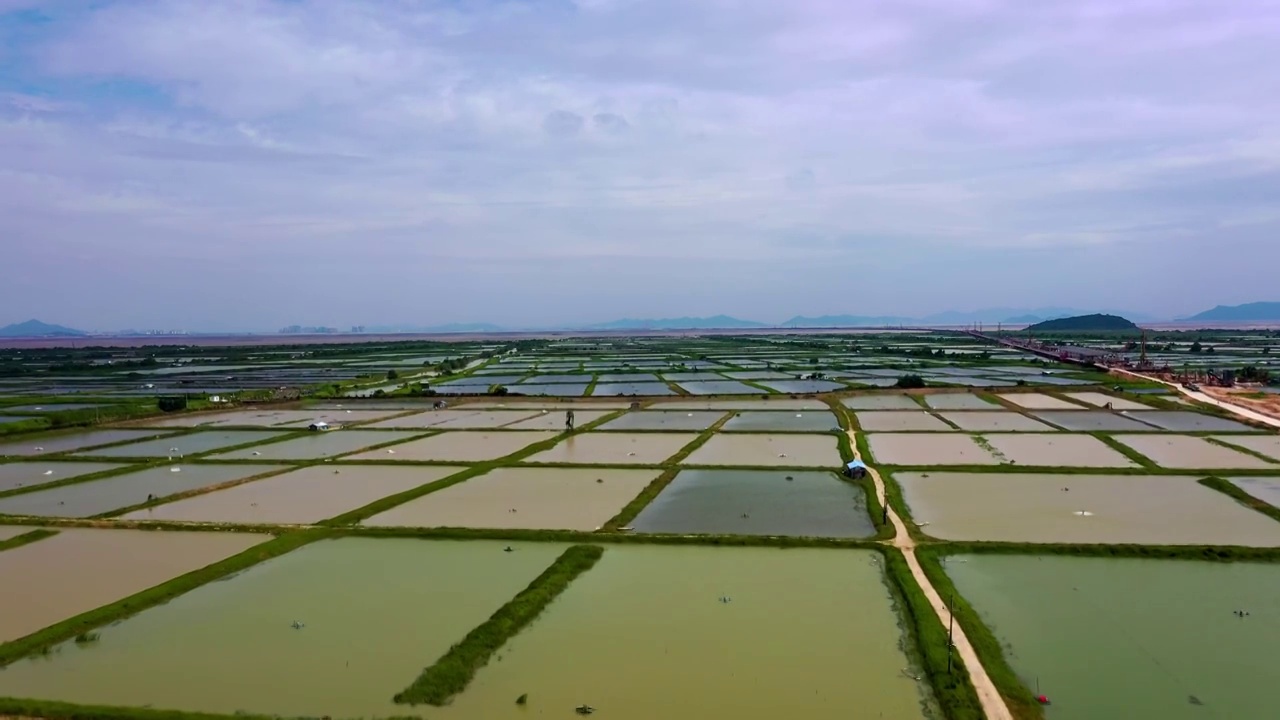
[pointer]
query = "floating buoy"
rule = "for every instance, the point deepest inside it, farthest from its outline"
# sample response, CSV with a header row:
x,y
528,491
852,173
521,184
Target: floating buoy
x,y
175,469
48,472
1043,699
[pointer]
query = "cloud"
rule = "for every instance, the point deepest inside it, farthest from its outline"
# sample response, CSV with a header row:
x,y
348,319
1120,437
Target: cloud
x,y
562,123
375,142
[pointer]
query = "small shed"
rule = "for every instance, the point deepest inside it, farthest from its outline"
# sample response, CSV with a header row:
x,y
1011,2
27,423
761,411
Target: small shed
x,y
855,469
318,426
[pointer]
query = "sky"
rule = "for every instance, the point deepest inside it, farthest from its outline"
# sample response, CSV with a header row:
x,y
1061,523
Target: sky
x,y
250,164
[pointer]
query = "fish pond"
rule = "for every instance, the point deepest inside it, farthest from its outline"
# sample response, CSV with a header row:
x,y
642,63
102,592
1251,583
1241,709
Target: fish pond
x,y
526,498
760,502
29,474
316,445
460,446
664,420
78,570
774,421
782,450
690,633
651,448
366,632
190,444
1116,639
64,442
98,497
1104,509
301,496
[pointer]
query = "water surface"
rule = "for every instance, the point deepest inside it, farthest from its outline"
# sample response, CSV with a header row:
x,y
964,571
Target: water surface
x,y
643,636
393,608
1117,639
27,474
190,444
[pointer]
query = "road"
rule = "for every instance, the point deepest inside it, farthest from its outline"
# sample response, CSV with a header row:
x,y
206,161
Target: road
x,y
1207,399
993,705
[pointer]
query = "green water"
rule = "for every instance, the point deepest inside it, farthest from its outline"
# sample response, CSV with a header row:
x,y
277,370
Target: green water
x,y
375,613
807,633
758,502
1123,639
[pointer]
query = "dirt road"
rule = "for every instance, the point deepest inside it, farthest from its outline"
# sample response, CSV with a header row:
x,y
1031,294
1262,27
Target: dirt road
x,y
993,706
1207,399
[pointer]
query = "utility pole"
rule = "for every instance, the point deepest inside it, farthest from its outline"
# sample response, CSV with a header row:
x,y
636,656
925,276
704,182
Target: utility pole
x,y
951,629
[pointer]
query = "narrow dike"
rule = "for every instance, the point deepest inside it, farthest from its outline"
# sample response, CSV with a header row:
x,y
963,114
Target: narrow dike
x,y
993,705
455,669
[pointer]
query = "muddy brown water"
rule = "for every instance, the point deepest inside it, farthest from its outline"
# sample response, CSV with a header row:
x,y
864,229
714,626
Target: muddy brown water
x,y
532,498
996,421
899,420
317,445
615,448
11,531
460,446
373,614
758,502
786,450
549,420
1056,450
1009,507
29,474
788,421
1092,421
1189,451
1188,421
78,570
95,497
1266,489
301,496
492,419
181,445
928,449
72,441
643,635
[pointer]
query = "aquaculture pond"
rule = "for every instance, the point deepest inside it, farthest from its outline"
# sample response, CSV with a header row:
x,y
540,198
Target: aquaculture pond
x,y
78,570
664,420
1116,639
631,388
366,632
460,446
95,497
615,448
719,387
63,442
691,633
190,444
746,502
28,474
1110,509
1266,489
301,496
781,450
317,445
533,498
787,421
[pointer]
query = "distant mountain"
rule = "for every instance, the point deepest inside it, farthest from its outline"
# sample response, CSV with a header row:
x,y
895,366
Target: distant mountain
x,y
847,321
1249,312
1084,323
446,328
35,328
683,323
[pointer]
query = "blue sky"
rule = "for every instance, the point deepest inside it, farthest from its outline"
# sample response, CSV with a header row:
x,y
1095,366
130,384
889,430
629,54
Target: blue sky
x,y
247,164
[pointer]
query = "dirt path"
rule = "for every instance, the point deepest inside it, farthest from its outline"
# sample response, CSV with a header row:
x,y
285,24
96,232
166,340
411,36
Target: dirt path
x,y
1208,400
993,706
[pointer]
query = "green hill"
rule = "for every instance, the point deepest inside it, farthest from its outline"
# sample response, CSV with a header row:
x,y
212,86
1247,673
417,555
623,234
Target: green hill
x,y
1084,323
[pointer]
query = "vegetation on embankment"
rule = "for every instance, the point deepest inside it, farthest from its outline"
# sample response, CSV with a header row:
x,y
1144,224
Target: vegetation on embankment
x,y
83,623
452,673
951,685
1227,487
17,708
1020,700
18,541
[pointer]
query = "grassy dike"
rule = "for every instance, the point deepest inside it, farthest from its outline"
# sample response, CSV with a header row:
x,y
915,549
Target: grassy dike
x,y
1017,696
27,538
1229,488
952,689
70,628
452,673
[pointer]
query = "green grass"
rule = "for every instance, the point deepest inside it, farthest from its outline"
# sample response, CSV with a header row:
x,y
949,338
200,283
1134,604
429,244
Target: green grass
x,y
952,688
1228,488
452,673
27,538
1142,460
85,622
20,708
651,491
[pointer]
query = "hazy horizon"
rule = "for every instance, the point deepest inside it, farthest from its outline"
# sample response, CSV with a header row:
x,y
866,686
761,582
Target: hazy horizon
x,y
252,164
